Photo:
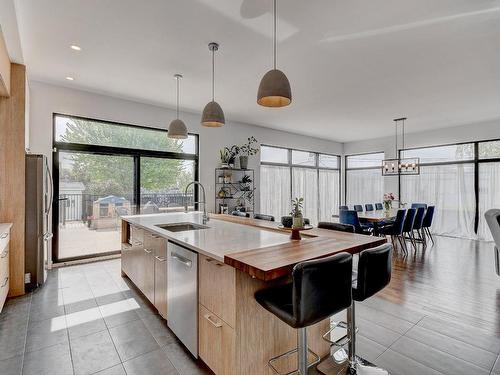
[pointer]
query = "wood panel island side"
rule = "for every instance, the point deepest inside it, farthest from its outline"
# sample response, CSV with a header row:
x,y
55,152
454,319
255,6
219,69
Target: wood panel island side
x,y
236,257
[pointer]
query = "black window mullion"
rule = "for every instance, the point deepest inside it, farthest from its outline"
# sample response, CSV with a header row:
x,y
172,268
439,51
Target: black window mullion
x,y
137,184
476,186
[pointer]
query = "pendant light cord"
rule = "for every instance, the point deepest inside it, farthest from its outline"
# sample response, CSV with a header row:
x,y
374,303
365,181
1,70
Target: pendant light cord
x,y
275,10
396,152
213,74
403,135
177,108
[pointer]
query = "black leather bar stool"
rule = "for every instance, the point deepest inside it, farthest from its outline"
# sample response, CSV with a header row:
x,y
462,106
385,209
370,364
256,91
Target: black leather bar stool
x,y
373,275
320,288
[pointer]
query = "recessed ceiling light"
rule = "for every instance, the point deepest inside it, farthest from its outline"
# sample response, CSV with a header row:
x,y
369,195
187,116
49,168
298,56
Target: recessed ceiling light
x,y
70,78
75,47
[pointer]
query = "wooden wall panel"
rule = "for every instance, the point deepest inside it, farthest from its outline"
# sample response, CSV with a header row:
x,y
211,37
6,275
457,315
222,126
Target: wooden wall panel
x,y
4,68
12,172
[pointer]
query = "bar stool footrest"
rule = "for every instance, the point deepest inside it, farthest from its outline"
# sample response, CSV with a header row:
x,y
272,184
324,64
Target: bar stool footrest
x,y
341,341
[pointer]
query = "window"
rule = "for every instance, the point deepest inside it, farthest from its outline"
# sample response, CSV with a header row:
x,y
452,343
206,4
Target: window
x,y
76,130
286,174
105,170
364,180
446,181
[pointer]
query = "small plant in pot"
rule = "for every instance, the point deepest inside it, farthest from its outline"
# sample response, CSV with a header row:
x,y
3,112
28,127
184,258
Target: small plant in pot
x,y
245,183
248,149
228,156
298,218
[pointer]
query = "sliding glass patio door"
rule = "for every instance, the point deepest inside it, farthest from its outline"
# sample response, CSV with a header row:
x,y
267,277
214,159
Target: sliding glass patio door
x,y
104,170
94,191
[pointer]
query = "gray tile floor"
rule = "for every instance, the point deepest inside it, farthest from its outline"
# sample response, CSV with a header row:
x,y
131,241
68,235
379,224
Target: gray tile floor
x,y
87,320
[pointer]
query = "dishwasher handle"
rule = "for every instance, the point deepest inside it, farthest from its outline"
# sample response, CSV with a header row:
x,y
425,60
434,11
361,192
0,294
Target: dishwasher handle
x,y
181,259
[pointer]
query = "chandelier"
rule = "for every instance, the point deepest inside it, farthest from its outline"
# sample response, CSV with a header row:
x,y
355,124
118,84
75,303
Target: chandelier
x,y
399,166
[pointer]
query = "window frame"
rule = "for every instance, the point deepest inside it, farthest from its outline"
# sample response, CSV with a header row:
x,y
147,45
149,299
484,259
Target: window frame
x,y
316,167
476,161
135,153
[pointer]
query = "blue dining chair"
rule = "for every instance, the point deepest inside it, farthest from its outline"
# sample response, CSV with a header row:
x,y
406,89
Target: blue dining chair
x,y
395,230
417,226
358,208
350,217
408,227
378,206
418,205
368,207
426,225
343,207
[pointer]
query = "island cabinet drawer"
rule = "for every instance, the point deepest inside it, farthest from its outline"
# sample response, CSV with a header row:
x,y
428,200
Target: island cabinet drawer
x,y
216,343
160,275
217,289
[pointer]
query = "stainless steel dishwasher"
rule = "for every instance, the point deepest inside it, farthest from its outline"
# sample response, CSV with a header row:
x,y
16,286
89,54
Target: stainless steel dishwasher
x,y
182,295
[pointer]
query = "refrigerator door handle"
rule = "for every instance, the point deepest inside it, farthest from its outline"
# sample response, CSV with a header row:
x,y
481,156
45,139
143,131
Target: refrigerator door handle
x,y
49,180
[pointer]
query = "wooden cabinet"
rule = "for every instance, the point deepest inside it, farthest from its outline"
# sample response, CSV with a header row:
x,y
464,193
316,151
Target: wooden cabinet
x,y
144,261
4,265
4,68
160,274
217,290
217,342
148,267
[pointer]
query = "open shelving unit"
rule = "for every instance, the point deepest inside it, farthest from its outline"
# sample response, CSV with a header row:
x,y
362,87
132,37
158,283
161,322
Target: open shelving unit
x,y
232,191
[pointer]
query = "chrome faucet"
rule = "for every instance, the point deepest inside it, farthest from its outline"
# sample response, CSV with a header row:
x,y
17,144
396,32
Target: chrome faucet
x,y
205,216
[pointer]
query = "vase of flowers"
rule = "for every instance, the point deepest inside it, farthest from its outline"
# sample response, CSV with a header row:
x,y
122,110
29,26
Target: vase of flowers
x,y
298,219
248,149
388,199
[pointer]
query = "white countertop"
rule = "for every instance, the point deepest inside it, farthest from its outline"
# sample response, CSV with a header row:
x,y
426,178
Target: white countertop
x,y
219,239
4,227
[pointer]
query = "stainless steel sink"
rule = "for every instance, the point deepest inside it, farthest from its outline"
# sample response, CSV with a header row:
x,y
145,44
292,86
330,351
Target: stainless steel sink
x,y
181,227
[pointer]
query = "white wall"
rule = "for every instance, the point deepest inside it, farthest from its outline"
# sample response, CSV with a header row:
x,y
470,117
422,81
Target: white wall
x,y
46,99
465,133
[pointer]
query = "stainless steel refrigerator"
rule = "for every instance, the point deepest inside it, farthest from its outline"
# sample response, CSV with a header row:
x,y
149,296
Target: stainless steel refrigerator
x,y
39,195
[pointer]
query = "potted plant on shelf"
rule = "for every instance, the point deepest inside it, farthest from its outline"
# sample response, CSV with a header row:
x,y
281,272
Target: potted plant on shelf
x,y
224,157
248,149
245,183
298,219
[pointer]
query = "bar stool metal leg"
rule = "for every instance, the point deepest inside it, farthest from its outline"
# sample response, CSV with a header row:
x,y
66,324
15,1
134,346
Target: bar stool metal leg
x,y
302,348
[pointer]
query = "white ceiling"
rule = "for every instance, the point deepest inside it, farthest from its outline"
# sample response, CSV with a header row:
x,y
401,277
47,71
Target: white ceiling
x,y
353,64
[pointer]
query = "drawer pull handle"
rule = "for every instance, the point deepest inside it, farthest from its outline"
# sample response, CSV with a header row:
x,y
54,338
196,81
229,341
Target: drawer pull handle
x,y
4,235
214,323
219,264
4,254
5,282
160,259
155,236
148,251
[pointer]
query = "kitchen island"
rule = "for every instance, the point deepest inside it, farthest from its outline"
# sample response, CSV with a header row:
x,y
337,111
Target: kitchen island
x,y
234,257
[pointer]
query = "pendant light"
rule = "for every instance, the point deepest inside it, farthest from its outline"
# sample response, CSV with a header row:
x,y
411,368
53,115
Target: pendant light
x,y
177,129
212,115
274,89
398,166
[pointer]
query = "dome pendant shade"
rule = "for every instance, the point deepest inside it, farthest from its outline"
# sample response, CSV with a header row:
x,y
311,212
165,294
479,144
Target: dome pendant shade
x,y
274,90
177,129
213,116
